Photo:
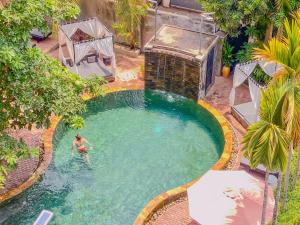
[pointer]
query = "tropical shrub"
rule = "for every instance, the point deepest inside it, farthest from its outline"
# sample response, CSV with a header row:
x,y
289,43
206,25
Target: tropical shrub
x,y
227,56
231,15
260,76
129,15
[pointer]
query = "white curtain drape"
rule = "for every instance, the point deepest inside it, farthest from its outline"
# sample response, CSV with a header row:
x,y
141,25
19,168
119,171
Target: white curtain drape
x,y
88,27
69,29
61,41
255,95
70,48
269,67
241,73
82,49
106,47
91,27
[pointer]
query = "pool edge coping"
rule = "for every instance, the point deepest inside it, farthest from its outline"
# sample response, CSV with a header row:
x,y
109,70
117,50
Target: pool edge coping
x,y
166,197
160,200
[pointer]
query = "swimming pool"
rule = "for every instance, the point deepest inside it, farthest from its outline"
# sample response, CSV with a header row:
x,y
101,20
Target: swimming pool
x,y
145,143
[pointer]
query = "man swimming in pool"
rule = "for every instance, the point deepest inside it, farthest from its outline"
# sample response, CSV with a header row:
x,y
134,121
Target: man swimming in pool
x,y
79,142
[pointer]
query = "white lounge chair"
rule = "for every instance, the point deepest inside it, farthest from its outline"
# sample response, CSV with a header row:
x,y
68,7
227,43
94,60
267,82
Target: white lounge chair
x,y
44,218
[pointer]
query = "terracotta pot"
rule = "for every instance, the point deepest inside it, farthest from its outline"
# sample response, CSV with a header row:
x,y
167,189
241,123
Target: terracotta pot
x,y
226,71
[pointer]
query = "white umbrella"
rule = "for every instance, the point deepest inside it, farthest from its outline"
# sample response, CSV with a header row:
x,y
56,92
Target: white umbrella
x,y
227,197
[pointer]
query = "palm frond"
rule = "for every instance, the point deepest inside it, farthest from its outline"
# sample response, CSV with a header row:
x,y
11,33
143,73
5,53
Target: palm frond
x,y
267,144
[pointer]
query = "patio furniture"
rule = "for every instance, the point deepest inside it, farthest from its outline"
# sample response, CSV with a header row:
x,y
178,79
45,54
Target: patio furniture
x,y
107,60
44,218
39,36
228,197
82,42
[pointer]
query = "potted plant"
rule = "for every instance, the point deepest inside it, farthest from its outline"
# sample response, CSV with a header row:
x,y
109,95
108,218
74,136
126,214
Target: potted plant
x,y
227,59
142,72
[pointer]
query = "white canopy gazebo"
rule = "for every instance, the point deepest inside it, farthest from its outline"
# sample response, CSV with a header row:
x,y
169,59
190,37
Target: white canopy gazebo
x,y
86,47
249,112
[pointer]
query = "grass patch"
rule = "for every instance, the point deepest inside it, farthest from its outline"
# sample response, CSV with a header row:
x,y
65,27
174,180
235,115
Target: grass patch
x,y
291,216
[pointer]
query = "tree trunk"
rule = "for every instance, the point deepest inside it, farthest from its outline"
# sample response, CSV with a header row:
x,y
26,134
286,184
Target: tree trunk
x,y
265,204
279,33
296,173
278,190
269,32
287,176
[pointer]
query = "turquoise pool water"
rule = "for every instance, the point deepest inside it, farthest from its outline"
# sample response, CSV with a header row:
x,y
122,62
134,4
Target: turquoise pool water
x,y
145,143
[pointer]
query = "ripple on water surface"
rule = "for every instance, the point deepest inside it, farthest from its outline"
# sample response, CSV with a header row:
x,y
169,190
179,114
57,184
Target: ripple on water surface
x,y
144,143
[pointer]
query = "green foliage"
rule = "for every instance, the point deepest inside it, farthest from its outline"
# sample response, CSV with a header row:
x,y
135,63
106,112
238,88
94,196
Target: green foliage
x,y
34,86
291,215
129,14
282,10
231,15
260,76
77,122
245,54
266,143
227,56
10,152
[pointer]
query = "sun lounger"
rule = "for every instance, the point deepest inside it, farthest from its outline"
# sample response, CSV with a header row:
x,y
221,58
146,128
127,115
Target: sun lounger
x,y
44,218
260,169
39,36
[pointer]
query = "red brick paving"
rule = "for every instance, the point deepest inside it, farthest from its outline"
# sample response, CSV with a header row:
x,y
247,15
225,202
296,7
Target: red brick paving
x,y
175,215
25,167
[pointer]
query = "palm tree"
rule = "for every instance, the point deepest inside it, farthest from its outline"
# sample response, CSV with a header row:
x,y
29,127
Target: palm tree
x,y
129,17
279,10
265,142
283,97
286,52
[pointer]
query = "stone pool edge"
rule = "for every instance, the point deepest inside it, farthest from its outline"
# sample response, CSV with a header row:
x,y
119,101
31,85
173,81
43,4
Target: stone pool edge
x,y
172,195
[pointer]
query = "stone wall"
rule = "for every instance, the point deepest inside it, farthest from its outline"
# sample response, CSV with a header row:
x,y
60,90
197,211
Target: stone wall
x,y
103,9
172,73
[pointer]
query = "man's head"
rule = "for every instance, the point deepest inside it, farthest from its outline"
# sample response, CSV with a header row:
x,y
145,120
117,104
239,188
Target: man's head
x,y
78,137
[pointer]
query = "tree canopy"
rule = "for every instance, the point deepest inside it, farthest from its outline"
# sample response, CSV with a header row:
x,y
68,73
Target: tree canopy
x,y
34,86
230,15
